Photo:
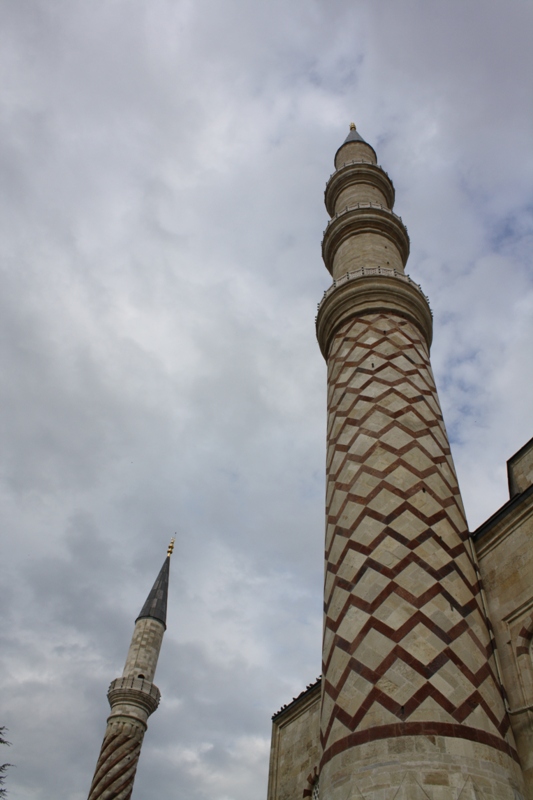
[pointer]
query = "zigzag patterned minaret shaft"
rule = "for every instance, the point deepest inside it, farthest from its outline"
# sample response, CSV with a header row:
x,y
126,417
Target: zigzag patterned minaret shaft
x,y
132,698
412,705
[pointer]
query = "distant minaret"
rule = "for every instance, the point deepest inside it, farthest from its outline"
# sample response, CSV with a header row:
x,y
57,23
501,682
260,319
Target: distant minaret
x,y
412,703
133,697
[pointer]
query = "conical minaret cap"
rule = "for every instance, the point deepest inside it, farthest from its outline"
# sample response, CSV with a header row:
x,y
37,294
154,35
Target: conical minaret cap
x,y
354,135
156,602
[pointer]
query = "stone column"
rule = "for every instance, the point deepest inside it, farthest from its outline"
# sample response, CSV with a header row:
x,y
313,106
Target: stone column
x,y
412,704
132,701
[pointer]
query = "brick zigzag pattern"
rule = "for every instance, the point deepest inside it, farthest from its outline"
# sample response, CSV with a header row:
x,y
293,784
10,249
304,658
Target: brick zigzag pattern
x,y
312,779
117,763
523,643
406,643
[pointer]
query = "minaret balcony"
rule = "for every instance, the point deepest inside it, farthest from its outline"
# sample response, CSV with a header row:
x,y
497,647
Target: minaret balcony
x,y
362,176
369,290
134,692
383,226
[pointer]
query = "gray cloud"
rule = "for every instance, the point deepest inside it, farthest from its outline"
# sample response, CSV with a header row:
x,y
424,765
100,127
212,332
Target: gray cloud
x,y
160,221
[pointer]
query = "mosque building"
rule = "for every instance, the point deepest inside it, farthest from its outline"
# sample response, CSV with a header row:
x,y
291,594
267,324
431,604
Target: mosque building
x,y
427,673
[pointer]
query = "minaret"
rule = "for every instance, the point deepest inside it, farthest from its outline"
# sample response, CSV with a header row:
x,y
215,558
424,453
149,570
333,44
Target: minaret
x,y
133,697
412,704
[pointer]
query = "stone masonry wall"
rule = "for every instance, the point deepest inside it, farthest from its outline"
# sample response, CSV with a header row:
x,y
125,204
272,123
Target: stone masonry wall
x,y
505,551
144,649
359,193
354,151
520,469
366,250
295,752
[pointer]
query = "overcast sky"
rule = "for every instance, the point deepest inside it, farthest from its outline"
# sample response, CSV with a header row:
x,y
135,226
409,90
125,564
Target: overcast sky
x,y
162,173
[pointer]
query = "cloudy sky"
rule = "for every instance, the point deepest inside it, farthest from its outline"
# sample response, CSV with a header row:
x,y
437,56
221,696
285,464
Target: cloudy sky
x,y
161,211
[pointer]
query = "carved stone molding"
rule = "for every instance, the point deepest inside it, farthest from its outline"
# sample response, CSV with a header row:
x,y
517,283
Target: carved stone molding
x,y
133,692
357,172
369,293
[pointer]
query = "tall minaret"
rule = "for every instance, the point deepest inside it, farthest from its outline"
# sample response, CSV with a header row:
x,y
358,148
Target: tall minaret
x,y
133,697
412,704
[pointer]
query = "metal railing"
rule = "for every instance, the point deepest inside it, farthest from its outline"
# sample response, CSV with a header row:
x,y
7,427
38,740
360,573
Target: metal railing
x,y
387,272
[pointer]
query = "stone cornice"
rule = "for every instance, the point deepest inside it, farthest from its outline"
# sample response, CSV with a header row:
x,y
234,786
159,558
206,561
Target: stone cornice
x,y
364,218
512,515
368,291
298,705
357,172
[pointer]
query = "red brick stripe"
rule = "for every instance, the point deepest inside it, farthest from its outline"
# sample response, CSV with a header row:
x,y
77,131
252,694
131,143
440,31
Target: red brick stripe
x,y
396,730
523,644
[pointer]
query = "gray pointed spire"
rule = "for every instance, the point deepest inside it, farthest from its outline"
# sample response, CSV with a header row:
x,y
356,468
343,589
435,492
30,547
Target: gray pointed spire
x,y
156,602
354,136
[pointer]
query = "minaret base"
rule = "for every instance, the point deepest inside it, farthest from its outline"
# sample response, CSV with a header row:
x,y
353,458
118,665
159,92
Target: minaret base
x,y
424,767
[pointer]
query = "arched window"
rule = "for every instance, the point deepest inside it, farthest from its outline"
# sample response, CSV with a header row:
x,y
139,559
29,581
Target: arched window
x,y
311,791
524,660
525,637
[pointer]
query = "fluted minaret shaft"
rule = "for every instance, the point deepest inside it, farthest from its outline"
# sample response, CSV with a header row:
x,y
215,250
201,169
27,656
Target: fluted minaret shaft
x,y
412,705
132,698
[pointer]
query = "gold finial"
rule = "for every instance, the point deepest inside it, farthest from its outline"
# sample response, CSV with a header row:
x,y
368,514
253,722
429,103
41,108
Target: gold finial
x,y
352,126
171,546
